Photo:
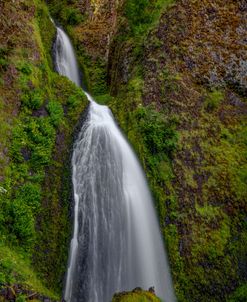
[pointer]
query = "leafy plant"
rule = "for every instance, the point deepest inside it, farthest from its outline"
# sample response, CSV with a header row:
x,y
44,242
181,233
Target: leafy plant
x,y
159,133
55,110
103,99
23,224
71,16
20,298
25,68
137,12
141,14
239,295
32,99
6,268
30,195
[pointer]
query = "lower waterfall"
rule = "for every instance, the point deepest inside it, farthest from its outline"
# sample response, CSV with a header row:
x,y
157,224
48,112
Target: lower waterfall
x,y
116,243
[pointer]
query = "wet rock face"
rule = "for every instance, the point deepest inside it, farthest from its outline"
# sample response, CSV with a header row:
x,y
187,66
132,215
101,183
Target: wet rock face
x,y
208,39
195,68
96,32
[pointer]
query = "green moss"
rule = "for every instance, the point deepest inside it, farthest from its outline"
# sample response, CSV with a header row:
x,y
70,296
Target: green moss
x,y
71,15
45,29
135,296
21,298
25,68
199,189
17,268
23,223
214,99
55,110
32,99
34,208
159,134
103,99
142,15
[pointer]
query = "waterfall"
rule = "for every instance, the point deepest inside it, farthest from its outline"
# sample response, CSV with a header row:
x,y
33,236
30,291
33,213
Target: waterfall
x,y
116,243
65,59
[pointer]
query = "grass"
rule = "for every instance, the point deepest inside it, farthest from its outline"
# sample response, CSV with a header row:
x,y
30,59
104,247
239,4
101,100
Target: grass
x,y
16,268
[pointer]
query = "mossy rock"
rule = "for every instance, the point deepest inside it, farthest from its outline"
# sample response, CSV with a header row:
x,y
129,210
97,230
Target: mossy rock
x,y
137,295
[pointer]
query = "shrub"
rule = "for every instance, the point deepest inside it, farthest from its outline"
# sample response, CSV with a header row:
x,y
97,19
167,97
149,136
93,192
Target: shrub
x,y
18,141
40,156
103,99
25,68
73,101
137,12
141,14
74,17
2,279
55,110
159,134
99,77
214,99
71,16
37,135
239,295
20,299
6,269
39,131
42,137
32,99
30,195
22,223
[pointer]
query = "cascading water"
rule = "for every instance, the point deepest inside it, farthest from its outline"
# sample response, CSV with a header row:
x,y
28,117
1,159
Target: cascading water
x,y
116,242
65,59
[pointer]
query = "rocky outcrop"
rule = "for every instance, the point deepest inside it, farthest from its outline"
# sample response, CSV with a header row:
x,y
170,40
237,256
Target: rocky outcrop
x,y
137,295
96,32
192,70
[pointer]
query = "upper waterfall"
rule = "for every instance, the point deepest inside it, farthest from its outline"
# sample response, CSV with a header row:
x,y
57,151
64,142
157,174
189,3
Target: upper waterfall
x,y
116,243
65,59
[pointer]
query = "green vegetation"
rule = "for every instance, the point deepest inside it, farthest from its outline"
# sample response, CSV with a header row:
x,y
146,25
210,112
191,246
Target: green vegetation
x,y
66,12
189,136
71,16
239,295
32,99
37,130
143,14
158,133
55,110
103,99
136,296
213,100
193,150
16,268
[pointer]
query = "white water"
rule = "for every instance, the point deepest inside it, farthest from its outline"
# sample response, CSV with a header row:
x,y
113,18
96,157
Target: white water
x,y
116,242
65,58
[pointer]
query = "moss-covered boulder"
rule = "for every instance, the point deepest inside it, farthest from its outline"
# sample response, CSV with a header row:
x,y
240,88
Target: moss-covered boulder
x,y
137,295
